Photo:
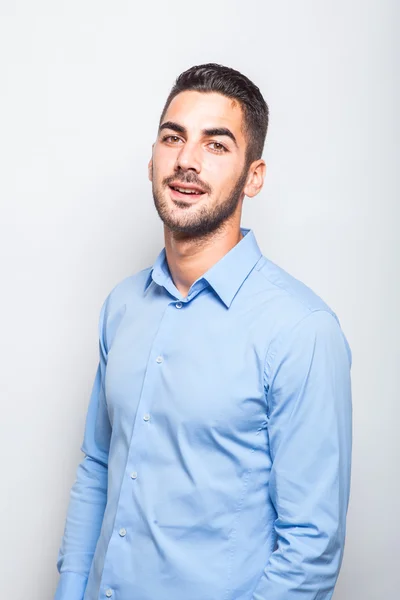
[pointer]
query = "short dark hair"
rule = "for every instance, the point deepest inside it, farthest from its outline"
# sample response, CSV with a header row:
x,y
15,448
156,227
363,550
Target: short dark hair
x,y
212,77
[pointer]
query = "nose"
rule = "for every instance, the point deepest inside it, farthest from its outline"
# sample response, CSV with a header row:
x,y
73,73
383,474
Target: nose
x,y
188,158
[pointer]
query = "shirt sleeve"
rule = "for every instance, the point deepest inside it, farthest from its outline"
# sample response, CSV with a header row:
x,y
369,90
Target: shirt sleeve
x,y
310,435
88,495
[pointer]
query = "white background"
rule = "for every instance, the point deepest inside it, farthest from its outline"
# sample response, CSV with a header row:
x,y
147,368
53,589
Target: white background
x,y
82,86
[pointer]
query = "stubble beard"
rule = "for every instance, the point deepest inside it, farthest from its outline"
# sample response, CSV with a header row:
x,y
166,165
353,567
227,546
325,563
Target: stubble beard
x,y
206,220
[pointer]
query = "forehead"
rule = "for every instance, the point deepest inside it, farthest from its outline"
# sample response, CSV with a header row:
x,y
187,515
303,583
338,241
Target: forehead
x,y
206,110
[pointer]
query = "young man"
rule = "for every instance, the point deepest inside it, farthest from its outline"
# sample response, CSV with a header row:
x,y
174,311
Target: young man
x,y
218,436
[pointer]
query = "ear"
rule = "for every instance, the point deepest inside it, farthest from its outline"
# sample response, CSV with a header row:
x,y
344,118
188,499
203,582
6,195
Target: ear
x,y
255,179
150,169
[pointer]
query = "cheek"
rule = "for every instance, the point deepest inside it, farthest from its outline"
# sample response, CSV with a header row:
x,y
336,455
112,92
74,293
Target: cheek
x,y
163,161
221,180
222,170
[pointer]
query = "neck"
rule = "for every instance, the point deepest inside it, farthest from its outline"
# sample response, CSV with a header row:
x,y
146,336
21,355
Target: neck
x,y
189,258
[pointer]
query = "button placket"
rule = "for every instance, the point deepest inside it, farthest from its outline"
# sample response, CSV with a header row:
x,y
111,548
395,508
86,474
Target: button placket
x,y
138,435
148,383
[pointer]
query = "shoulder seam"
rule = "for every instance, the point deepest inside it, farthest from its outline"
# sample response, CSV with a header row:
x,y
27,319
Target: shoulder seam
x,y
296,298
298,322
303,318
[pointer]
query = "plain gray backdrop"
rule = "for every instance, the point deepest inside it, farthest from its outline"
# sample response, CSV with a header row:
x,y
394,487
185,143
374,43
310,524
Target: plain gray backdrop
x,y
82,86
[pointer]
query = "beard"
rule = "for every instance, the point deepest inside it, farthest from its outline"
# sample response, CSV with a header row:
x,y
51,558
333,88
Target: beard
x,y
205,220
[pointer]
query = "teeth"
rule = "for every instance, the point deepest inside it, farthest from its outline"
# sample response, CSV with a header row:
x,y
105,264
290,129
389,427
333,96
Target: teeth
x,y
186,191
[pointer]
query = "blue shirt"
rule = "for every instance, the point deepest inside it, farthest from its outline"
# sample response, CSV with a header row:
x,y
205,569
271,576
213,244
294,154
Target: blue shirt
x,y
217,441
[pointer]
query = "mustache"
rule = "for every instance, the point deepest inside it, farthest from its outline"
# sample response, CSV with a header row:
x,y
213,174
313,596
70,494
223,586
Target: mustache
x,y
190,178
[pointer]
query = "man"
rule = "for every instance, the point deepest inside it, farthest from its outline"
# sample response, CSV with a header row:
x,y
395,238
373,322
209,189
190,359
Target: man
x,y
218,435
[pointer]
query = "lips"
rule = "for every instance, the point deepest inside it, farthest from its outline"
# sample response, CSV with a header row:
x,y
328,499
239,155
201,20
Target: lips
x,y
185,190
186,187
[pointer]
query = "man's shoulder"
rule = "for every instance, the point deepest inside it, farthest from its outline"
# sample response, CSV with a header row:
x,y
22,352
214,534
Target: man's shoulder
x,y
126,289
287,286
290,302
287,298
115,304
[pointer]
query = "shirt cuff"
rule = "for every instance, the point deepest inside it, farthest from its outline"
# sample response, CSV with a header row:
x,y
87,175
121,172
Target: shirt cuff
x,y
71,586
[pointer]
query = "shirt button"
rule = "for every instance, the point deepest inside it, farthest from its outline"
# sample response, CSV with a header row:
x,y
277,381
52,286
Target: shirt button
x,y
179,305
134,474
108,593
146,417
122,532
159,359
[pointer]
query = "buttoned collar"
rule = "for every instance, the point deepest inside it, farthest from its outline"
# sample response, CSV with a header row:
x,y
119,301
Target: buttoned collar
x,y
225,277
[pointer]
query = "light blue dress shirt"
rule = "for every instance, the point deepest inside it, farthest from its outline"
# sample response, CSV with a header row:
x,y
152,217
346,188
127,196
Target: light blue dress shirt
x,y
217,441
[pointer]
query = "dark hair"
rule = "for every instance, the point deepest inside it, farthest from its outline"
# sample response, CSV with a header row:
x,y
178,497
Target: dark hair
x,y
212,77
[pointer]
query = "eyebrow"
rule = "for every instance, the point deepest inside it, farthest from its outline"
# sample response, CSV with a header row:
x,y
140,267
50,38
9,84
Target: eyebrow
x,y
206,132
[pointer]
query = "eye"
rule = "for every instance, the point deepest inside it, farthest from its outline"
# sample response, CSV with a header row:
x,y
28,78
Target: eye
x,y
218,147
172,139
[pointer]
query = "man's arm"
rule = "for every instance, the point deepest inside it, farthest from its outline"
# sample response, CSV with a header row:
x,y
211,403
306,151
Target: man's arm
x,y
89,493
310,435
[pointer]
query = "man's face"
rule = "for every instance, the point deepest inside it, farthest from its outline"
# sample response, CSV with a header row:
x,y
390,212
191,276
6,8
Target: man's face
x,y
198,168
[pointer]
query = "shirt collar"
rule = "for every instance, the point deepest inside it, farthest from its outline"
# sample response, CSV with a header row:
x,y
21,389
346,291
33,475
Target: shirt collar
x,y
225,276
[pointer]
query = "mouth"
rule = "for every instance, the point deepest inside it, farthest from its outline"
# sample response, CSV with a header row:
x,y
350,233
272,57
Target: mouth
x,y
186,192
